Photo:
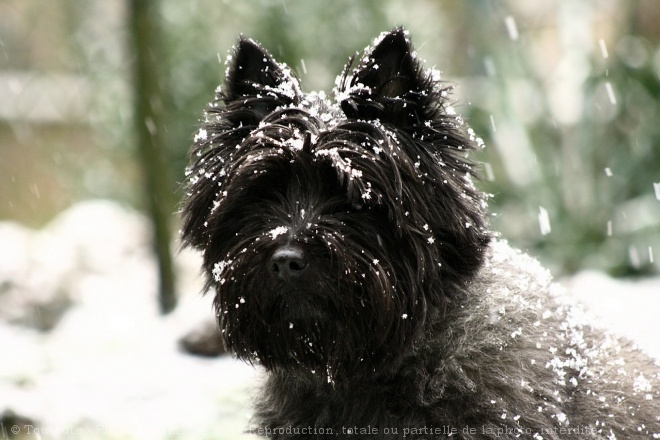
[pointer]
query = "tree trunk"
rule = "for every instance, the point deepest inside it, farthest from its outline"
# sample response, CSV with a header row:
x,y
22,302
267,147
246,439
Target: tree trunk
x,y
148,92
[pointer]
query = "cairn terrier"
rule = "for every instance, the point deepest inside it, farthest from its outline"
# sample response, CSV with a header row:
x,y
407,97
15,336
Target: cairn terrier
x,y
349,255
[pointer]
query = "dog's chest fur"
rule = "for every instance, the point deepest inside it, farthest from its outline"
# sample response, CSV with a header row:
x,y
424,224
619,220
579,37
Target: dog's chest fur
x,y
512,360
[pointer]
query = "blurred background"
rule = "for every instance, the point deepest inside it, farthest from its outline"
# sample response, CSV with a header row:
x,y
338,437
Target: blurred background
x,y
99,101
564,93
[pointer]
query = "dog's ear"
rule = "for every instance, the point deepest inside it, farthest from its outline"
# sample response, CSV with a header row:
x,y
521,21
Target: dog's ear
x,y
253,72
388,84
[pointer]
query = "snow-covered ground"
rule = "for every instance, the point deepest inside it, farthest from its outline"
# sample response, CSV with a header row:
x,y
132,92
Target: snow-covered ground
x,y
110,367
85,354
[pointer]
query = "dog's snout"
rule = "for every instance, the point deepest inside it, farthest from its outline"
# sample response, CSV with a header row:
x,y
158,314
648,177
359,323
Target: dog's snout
x,y
288,262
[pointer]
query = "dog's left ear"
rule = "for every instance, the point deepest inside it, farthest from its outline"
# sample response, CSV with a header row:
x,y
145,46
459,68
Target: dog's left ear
x,y
253,72
388,84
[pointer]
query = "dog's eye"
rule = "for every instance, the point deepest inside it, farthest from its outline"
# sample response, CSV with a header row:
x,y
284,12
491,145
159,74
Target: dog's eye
x,y
358,205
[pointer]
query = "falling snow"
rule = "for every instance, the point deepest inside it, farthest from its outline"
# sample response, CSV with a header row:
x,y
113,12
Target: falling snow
x,y
492,124
603,48
544,221
610,92
511,27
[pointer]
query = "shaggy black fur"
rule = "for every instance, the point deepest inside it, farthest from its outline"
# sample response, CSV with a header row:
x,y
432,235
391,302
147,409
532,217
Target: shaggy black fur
x,y
349,256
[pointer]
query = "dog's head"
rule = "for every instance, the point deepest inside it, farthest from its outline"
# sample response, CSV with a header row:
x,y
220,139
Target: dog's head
x,y
330,230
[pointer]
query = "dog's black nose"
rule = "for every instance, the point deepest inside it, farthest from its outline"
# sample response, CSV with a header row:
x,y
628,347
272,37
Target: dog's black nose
x,y
288,262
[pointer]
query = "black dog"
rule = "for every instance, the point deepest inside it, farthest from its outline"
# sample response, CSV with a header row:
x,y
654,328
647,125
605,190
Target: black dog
x,y
349,255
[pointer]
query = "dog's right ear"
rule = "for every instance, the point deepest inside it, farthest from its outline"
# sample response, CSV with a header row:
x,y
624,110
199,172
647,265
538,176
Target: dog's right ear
x,y
253,72
388,84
